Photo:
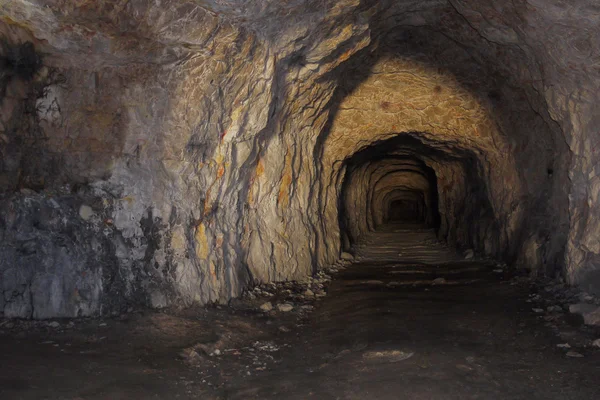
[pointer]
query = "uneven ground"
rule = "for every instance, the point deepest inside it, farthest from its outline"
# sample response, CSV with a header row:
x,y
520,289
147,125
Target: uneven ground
x,y
389,328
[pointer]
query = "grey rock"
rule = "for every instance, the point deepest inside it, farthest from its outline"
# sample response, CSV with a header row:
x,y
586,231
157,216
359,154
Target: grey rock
x,y
574,354
267,306
589,312
158,299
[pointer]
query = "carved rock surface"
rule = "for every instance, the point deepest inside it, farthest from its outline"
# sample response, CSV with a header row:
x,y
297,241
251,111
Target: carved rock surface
x,y
175,152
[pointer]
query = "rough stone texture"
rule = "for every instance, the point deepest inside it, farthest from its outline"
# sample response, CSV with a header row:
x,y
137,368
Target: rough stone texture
x,y
223,143
589,312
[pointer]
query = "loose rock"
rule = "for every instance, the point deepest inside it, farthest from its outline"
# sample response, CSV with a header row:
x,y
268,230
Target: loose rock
x,y
574,354
589,312
285,307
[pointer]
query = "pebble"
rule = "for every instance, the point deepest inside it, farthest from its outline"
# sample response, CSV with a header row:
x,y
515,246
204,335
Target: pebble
x,y
574,354
285,307
586,298
537,310
309,293
53,324
596,343
563,346
469,254
266,306
439,281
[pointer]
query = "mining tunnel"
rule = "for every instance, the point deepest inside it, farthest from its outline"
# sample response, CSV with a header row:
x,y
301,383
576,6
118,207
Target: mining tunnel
x,y
207,199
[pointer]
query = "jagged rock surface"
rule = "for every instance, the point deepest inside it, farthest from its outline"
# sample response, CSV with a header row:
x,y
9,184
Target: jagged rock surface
x,y
209,142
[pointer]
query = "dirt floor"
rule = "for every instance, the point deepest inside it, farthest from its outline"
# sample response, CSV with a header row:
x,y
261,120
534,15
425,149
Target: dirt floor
x,y
409,320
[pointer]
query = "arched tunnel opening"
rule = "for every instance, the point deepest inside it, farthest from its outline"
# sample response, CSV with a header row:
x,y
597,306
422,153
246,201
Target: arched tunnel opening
x,y
395,181
262,188
396,185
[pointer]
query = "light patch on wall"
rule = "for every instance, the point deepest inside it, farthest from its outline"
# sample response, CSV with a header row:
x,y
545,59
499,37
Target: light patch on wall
x,y
286,179
202,247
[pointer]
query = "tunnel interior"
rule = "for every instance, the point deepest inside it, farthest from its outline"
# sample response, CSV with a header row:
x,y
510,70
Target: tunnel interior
x,y
371,182
390,183
193,154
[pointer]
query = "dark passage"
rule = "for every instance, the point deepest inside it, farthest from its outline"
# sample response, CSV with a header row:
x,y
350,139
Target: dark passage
x,y
407,210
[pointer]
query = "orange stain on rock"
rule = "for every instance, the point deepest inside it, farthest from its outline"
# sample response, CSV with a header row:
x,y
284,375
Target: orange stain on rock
x,y
286,179
220,171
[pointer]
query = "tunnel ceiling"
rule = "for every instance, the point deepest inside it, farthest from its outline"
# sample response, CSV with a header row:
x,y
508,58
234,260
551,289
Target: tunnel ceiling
x,y
197,147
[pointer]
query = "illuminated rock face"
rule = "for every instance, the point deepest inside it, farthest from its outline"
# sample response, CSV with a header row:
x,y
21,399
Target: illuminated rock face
x,y
174,152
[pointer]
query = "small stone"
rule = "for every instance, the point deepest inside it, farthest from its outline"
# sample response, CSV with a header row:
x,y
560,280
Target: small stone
x,y
347,256
563,346
554,309
438,281
589,312
53,324
217,352
284,329
537,310
285,307
574,354
309,293
266,306
86,212
469,254
596,343
584,297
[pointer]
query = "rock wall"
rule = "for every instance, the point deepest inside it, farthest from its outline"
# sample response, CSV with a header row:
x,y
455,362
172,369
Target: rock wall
x,y
174,152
